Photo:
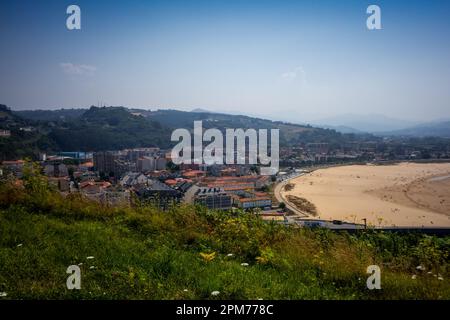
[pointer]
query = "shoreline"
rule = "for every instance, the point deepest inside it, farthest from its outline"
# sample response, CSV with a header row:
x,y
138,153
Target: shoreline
x,y
395,195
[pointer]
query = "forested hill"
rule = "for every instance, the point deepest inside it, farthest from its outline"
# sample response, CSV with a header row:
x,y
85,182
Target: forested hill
x,y
113,128
109,129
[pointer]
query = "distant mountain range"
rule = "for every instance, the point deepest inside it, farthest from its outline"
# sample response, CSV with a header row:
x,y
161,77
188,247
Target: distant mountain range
x,y
373,123
348,123
434,129
384,126
114,128
342,129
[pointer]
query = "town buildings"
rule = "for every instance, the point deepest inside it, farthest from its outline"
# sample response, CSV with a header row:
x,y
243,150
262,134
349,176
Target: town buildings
x,y
5,133
212,198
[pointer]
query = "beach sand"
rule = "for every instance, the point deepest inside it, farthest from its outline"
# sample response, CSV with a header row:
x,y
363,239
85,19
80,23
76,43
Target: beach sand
x,y
405,194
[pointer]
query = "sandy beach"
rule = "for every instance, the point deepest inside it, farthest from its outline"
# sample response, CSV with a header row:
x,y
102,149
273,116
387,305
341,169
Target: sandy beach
x,y
405,194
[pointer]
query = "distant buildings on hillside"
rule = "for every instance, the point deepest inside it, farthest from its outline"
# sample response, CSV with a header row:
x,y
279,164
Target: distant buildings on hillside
x,y
118,163
5,133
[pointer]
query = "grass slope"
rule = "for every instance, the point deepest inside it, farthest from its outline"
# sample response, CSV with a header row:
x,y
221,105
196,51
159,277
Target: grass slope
x,y
143,253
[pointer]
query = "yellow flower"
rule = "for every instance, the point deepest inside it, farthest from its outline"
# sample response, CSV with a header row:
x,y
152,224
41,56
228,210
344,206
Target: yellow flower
x,y
208,256
262,260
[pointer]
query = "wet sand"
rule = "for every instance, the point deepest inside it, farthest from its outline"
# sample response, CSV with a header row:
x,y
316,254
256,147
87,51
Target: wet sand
x,y
406,194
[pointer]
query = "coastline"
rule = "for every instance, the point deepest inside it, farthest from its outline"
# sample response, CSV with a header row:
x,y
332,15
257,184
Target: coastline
x,y
402,194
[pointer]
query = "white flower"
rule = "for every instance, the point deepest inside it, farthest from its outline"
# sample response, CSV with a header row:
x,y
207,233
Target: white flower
x,y
215,293
90,258
244,264
3,294
259,299
429,272
230,255
440,278
185,290
19,245
92,267
414,277
420,268
80,264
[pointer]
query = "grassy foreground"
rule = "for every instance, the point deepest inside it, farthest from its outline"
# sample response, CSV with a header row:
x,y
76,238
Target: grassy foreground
x,y
189,252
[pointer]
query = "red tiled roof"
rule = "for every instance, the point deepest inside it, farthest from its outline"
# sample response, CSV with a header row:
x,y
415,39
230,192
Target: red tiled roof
x,y
171,181
13,162
236,188
86,184
87,164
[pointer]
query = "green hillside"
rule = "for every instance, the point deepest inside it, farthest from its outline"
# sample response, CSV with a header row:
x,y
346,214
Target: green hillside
x,y
50,115
110,128
22,143
189,252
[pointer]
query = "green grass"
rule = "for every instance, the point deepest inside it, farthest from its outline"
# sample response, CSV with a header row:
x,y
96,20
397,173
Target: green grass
x,y
144,253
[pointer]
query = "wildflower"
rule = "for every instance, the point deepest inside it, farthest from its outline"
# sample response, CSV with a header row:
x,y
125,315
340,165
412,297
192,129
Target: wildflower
x,y
92,267
80,264
441,278
261,260
208,256
90,258
414,277
244,264
19,245
230,255
3,294
185,290
422,268
215,293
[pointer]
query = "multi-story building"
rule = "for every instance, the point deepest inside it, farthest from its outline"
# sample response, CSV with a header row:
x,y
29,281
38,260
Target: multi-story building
x,y
151,164
254,202
135,154
157,193
56,169
212,198
121,167
161,163
146,164
244,182
111,163
104,161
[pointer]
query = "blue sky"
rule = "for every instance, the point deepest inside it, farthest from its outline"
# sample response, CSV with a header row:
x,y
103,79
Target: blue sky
x,y
291,60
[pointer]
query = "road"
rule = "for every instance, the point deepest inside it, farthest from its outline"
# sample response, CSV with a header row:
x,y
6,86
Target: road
x,y
302,218
280,198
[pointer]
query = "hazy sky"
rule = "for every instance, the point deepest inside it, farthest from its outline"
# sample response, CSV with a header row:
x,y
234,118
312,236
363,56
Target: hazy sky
x,y
297,60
